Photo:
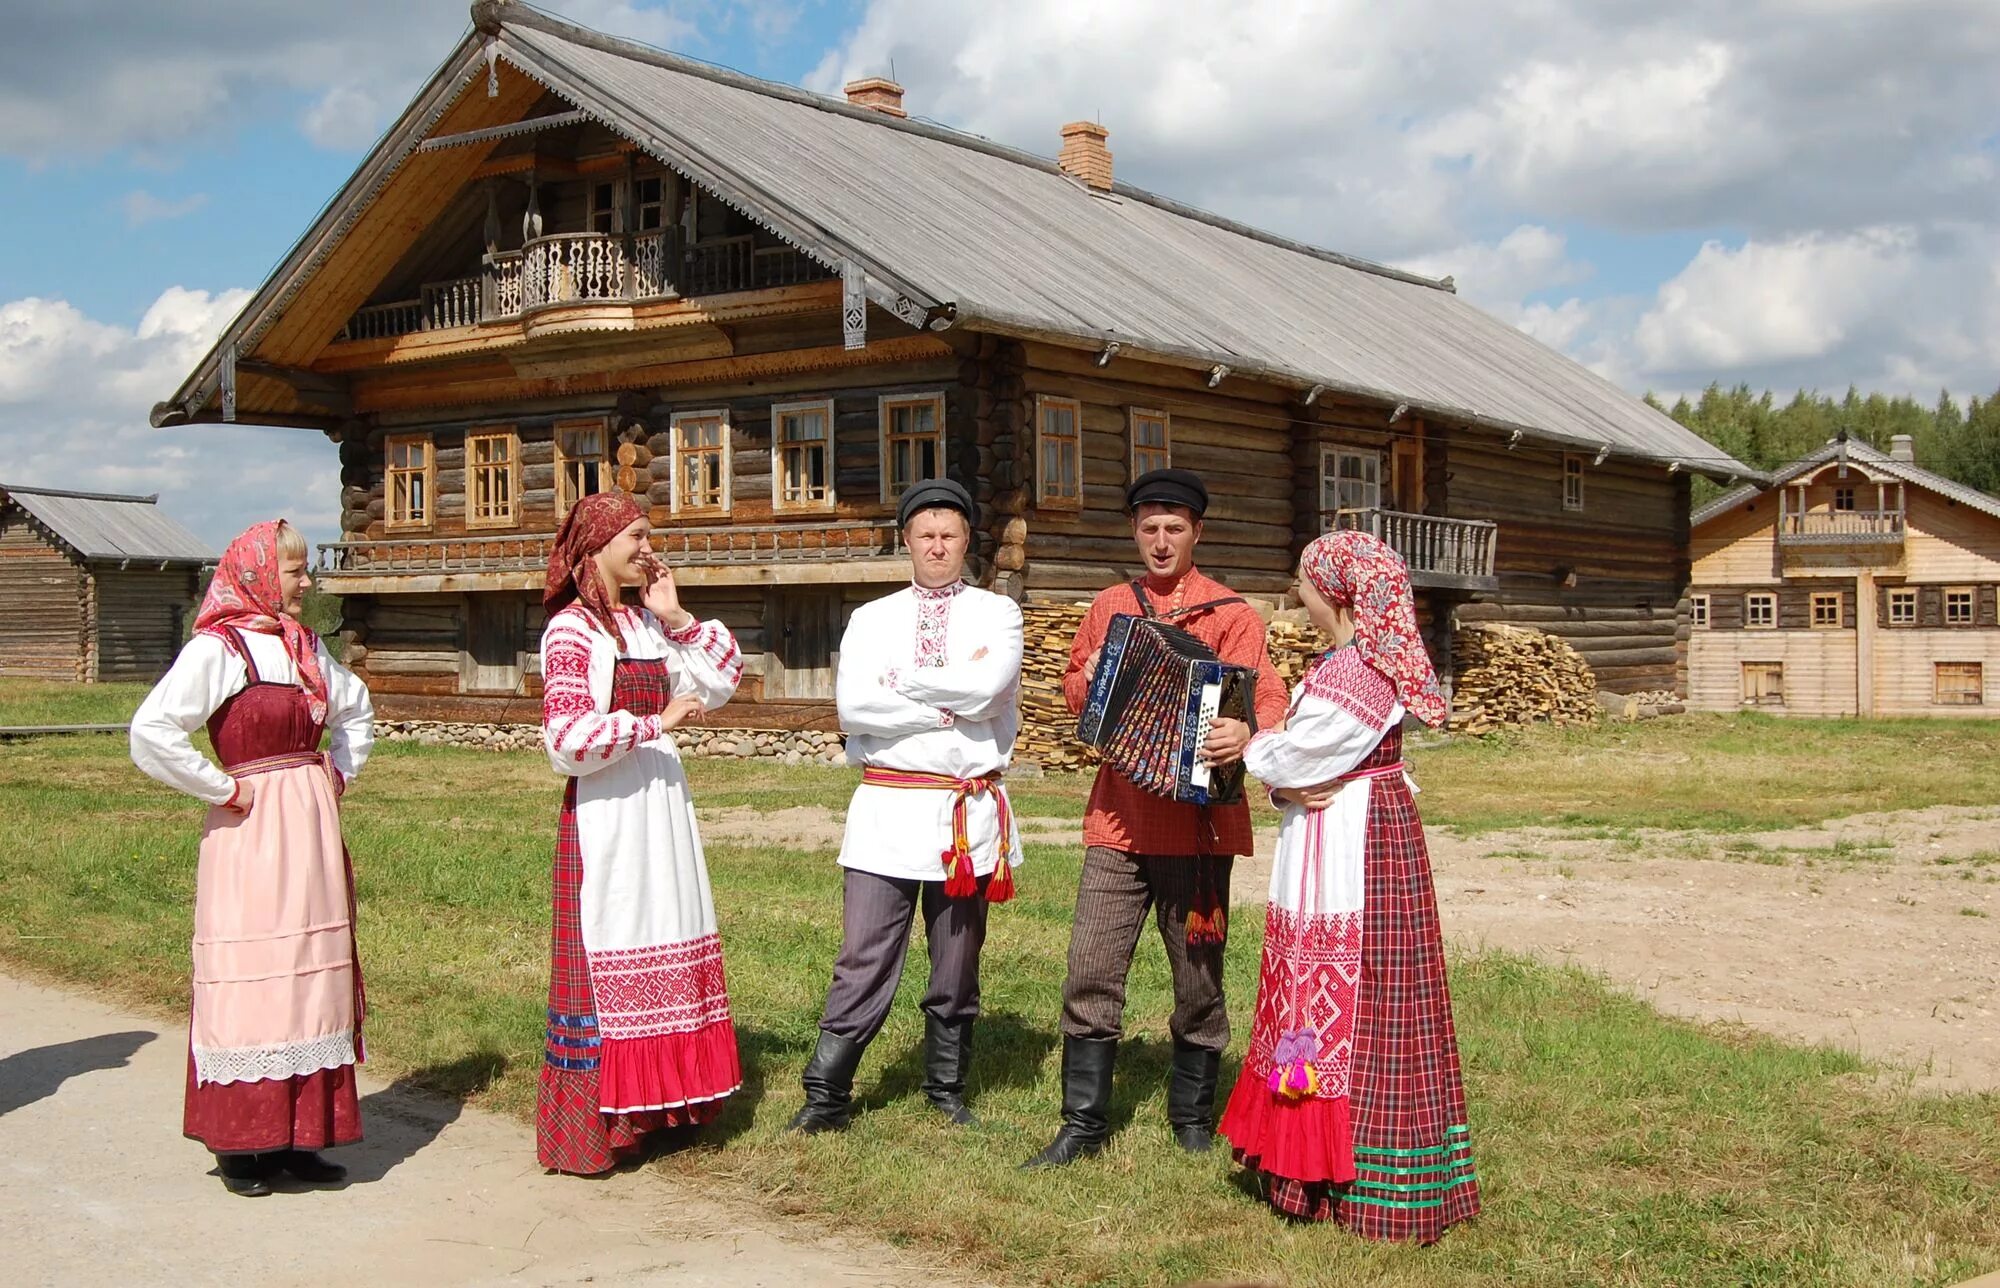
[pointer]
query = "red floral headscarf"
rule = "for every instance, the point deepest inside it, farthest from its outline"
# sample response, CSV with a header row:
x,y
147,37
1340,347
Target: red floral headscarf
x,y
1364,575
244,596
589,527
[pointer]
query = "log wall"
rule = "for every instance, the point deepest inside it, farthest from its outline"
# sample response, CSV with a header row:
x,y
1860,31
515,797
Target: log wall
x,y
1626,550
140,616
42,628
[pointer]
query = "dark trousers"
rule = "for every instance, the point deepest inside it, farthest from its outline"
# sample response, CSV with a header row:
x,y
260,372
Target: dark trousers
x,y
876,913
1112,899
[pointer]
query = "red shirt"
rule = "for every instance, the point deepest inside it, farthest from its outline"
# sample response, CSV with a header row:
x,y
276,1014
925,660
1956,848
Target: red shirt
x,y
1120,815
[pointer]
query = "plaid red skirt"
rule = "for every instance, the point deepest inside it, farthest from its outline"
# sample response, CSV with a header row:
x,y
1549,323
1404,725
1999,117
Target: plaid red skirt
x,y
1406,1105
571,1133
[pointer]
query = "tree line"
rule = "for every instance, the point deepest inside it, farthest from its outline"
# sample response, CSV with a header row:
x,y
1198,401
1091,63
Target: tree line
x,y
1961,442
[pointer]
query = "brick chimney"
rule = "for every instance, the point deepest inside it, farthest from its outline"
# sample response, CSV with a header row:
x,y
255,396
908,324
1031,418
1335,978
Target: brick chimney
x,y
877,94
1084,155
1903,448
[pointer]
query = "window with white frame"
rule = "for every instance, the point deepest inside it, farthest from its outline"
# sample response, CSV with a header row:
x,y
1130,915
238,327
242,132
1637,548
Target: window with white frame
x,y
492,479
1698,612
912,428
1763,684
1058,453
1903,606
1959,684
1826,610
1760,610
802,477
410,478
701,462
583,461
1350,486
1572,482
1150,434
1959,606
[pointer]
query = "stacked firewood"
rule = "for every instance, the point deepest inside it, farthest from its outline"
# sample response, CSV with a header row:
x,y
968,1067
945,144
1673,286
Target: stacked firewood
x,y
1048,730
1510,676
1293,646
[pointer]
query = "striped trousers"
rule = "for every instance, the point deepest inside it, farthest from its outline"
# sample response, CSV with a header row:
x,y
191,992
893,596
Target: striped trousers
x,y
1113,897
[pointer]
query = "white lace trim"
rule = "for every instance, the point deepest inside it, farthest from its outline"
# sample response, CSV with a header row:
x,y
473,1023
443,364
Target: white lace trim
x,y
285,1060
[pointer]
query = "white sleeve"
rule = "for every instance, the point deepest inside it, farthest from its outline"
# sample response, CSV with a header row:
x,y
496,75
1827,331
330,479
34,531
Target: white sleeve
x,y
201,679
1320,742
350,718
867,705
974,690
710,661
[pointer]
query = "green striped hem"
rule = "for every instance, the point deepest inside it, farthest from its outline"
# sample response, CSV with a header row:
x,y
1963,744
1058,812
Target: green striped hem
x,y
1444,1165
1450,1146
1421,1186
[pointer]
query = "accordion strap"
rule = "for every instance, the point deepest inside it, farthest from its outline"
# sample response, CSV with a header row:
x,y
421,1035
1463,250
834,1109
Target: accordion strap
x,y
1146,605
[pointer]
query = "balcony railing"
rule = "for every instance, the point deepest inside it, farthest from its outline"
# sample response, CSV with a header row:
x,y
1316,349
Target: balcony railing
x,y
1440,552
690,547
1841,527
573,268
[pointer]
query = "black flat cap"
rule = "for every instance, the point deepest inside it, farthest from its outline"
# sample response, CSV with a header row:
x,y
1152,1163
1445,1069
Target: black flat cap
x,y
1168,487
930,494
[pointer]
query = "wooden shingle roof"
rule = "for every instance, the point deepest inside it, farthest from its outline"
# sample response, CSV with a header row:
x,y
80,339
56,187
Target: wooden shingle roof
x,y
100,527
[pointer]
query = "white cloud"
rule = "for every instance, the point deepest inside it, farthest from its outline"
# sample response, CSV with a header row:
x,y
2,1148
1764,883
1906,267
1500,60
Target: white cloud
x,y
74,396
141,207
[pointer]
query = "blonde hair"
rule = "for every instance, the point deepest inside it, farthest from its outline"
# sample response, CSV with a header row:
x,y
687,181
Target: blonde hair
x,y
291,542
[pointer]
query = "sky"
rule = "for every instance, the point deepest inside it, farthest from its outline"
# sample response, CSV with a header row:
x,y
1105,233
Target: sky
x,y
1794,194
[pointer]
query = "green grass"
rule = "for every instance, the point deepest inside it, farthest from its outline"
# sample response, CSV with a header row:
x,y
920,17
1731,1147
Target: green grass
x,y
1615,1146
42,702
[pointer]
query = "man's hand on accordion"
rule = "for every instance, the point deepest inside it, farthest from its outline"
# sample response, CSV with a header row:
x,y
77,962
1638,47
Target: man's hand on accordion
x,y
1226,740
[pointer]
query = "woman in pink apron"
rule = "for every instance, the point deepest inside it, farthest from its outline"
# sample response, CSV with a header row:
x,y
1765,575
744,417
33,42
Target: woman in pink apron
x,y
275,1027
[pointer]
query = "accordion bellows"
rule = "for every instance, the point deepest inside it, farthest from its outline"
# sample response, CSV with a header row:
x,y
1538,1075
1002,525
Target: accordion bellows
x,y
1156,691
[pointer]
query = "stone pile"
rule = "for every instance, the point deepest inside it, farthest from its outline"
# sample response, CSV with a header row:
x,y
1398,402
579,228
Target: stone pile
x,y
791,747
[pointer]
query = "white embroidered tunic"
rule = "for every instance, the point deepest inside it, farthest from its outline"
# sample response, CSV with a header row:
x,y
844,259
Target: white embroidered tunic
x,y
645,883
913,697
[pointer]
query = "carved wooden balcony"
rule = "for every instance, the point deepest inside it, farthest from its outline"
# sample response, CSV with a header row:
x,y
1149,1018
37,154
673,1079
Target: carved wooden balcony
x,y
1841,528
1443,554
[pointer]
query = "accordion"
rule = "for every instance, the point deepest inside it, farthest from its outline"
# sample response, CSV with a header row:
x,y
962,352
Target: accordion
x,y
1156,691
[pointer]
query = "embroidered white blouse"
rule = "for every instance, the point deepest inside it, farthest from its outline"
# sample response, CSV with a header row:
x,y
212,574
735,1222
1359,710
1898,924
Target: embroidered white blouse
x,y
208,673
912,696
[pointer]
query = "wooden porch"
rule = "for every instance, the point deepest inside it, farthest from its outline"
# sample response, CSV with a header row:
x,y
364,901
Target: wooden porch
x,y
827,554
1443,554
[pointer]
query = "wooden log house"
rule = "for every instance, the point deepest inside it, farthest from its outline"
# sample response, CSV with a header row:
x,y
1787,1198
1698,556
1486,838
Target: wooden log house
x,y
93,586
577,263
1855,583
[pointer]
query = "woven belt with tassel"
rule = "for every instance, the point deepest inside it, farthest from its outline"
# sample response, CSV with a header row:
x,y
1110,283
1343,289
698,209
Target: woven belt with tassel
x,y
960,882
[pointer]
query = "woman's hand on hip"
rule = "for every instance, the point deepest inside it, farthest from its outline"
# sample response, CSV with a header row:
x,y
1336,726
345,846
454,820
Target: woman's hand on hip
x,y
246,795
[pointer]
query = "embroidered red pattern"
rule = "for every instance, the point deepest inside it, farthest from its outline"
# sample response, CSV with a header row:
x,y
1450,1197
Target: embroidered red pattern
x,y
1311,976
1348,682
651,992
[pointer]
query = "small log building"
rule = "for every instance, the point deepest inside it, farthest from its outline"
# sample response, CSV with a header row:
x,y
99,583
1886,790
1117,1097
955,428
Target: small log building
x,y
577,264
1856,583
93,586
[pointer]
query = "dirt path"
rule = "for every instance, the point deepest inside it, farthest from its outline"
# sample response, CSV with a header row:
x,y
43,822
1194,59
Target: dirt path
x,y
98,1186
1877,932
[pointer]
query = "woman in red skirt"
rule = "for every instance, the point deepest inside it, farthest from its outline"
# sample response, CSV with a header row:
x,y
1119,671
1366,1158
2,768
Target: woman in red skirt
x,y
275,1027
639,1035
1350,1105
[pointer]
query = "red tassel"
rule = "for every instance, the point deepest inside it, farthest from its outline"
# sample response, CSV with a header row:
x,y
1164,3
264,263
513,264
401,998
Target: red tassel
x,y
1001,887
1205,930
959,882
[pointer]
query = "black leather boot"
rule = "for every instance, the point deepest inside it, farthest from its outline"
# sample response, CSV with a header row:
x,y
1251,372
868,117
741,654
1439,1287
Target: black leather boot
x,y
1191,1096
307,1166
1086,1078
829,1084
247,1175
947,1056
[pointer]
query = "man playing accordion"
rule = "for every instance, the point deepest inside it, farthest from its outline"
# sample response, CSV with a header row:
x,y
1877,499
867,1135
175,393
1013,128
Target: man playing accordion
x,y
1146,852
928,690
